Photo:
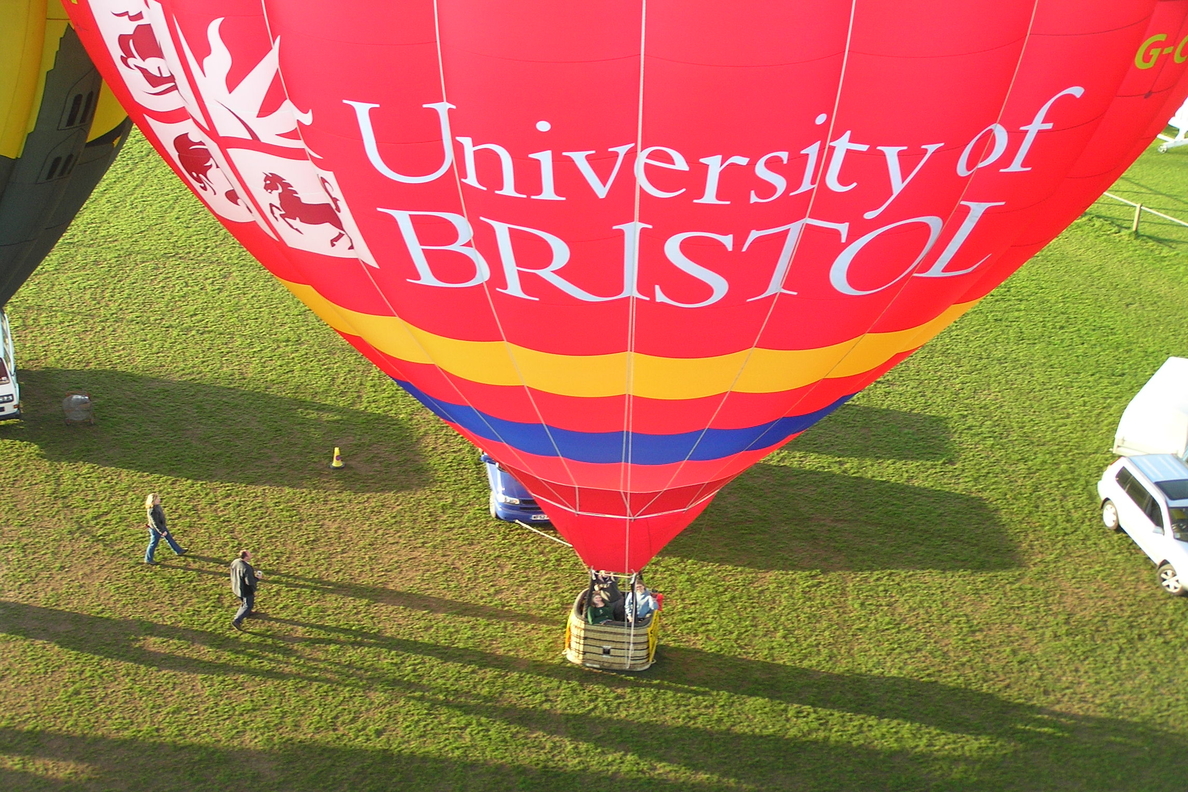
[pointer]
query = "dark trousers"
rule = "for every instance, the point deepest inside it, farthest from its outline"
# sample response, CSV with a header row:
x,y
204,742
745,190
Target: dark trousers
x,y
245,609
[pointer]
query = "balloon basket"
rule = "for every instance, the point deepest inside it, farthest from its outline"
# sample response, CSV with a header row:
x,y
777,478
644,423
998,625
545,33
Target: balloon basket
x,y
613,646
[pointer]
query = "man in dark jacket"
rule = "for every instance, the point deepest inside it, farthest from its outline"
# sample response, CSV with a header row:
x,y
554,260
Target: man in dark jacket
x,y
243,584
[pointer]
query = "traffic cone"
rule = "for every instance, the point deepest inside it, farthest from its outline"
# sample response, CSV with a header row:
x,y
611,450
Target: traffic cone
x,y
337,463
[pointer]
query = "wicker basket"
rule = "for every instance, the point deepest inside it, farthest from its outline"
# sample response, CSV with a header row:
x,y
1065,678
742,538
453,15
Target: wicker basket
x,y
614,646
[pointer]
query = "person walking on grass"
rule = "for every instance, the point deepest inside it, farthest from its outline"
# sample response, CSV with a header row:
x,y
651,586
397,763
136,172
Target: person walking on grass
x,y
157,528
244,579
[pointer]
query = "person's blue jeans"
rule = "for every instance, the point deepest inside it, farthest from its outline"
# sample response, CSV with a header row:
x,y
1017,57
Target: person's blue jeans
x,y
154,540
245,608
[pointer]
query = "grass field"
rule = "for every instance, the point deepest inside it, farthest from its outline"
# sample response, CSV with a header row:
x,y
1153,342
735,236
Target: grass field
x,y
917,594
1157,181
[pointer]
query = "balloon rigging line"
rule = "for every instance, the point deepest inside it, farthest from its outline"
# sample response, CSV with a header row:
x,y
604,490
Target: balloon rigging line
x,y
632,304
1001,112
542,533
626,467
965,191
839,368
619,516
792,257
487,294
906,281
968,182
365,270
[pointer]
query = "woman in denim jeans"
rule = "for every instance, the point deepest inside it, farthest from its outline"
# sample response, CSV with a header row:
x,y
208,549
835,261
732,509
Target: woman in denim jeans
x,y
157,528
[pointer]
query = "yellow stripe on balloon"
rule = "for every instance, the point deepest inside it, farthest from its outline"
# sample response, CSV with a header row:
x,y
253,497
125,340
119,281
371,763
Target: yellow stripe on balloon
x,y
749,371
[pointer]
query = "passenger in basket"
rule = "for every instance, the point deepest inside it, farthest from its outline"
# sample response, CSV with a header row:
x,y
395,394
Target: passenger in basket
x,y
599,611
640,604
606,585
610,587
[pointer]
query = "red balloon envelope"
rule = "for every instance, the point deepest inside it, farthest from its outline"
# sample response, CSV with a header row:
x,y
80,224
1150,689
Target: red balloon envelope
x,y
629,248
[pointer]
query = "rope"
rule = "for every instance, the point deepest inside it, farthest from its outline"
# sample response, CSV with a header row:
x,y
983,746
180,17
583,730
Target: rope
x,y
542,533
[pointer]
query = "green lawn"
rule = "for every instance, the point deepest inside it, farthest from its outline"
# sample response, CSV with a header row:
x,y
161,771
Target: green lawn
x,y
1158,182
917,594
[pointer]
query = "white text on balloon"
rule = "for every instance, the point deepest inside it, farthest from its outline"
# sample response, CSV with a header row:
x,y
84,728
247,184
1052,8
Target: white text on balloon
x,y
840,272
983,150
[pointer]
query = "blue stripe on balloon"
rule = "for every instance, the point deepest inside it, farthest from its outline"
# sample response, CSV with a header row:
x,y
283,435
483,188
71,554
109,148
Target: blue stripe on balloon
x,y
610,447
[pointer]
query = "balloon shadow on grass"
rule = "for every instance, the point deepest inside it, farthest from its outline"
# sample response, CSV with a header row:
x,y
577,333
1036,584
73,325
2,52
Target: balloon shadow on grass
x,y
296,766
203,432
777,517
859,432
408,600
271,648
405,599
149,644
1012,746
1033,747
1064,752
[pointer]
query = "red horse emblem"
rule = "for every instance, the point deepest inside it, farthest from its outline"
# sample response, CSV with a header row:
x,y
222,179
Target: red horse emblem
x,y
195,159
290,209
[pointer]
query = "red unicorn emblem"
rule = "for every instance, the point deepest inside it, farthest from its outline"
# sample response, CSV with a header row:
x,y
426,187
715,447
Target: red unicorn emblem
x,y
292,209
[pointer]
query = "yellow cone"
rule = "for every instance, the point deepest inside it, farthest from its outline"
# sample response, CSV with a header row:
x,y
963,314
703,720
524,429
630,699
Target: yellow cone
x,y
337,464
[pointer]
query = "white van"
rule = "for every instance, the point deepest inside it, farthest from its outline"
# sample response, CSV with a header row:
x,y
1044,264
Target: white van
x,y
1156,420
10,391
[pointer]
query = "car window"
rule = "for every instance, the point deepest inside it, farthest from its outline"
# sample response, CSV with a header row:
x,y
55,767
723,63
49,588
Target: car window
x,y
1152,510
1135,490
1132,488
1174,490
1179,521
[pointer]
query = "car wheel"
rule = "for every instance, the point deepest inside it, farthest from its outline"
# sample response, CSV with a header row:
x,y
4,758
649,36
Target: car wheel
x,y
1109,515
1170,581
491,506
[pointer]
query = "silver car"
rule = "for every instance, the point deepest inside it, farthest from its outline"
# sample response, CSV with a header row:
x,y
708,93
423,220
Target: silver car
x,y
1147,497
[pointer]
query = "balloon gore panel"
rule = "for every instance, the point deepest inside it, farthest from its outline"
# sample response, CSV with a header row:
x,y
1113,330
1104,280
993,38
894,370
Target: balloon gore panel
x,y
631,248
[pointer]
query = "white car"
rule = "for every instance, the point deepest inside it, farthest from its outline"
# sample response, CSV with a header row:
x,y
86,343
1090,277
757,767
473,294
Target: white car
x,y
1147,496
10,391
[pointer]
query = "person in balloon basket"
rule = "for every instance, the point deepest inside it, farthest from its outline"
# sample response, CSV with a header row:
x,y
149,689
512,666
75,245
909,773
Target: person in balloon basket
x,y
599,611
641,604
244,579
605,581
606,585
157,528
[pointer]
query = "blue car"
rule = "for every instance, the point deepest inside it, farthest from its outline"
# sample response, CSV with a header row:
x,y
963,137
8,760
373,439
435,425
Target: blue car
x,y
509,500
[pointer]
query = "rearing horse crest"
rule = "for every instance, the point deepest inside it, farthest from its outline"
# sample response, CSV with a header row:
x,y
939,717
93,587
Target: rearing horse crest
x,y
290,209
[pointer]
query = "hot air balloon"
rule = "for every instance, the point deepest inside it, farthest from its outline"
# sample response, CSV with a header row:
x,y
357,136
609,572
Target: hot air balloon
x,y
629,248
60,129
